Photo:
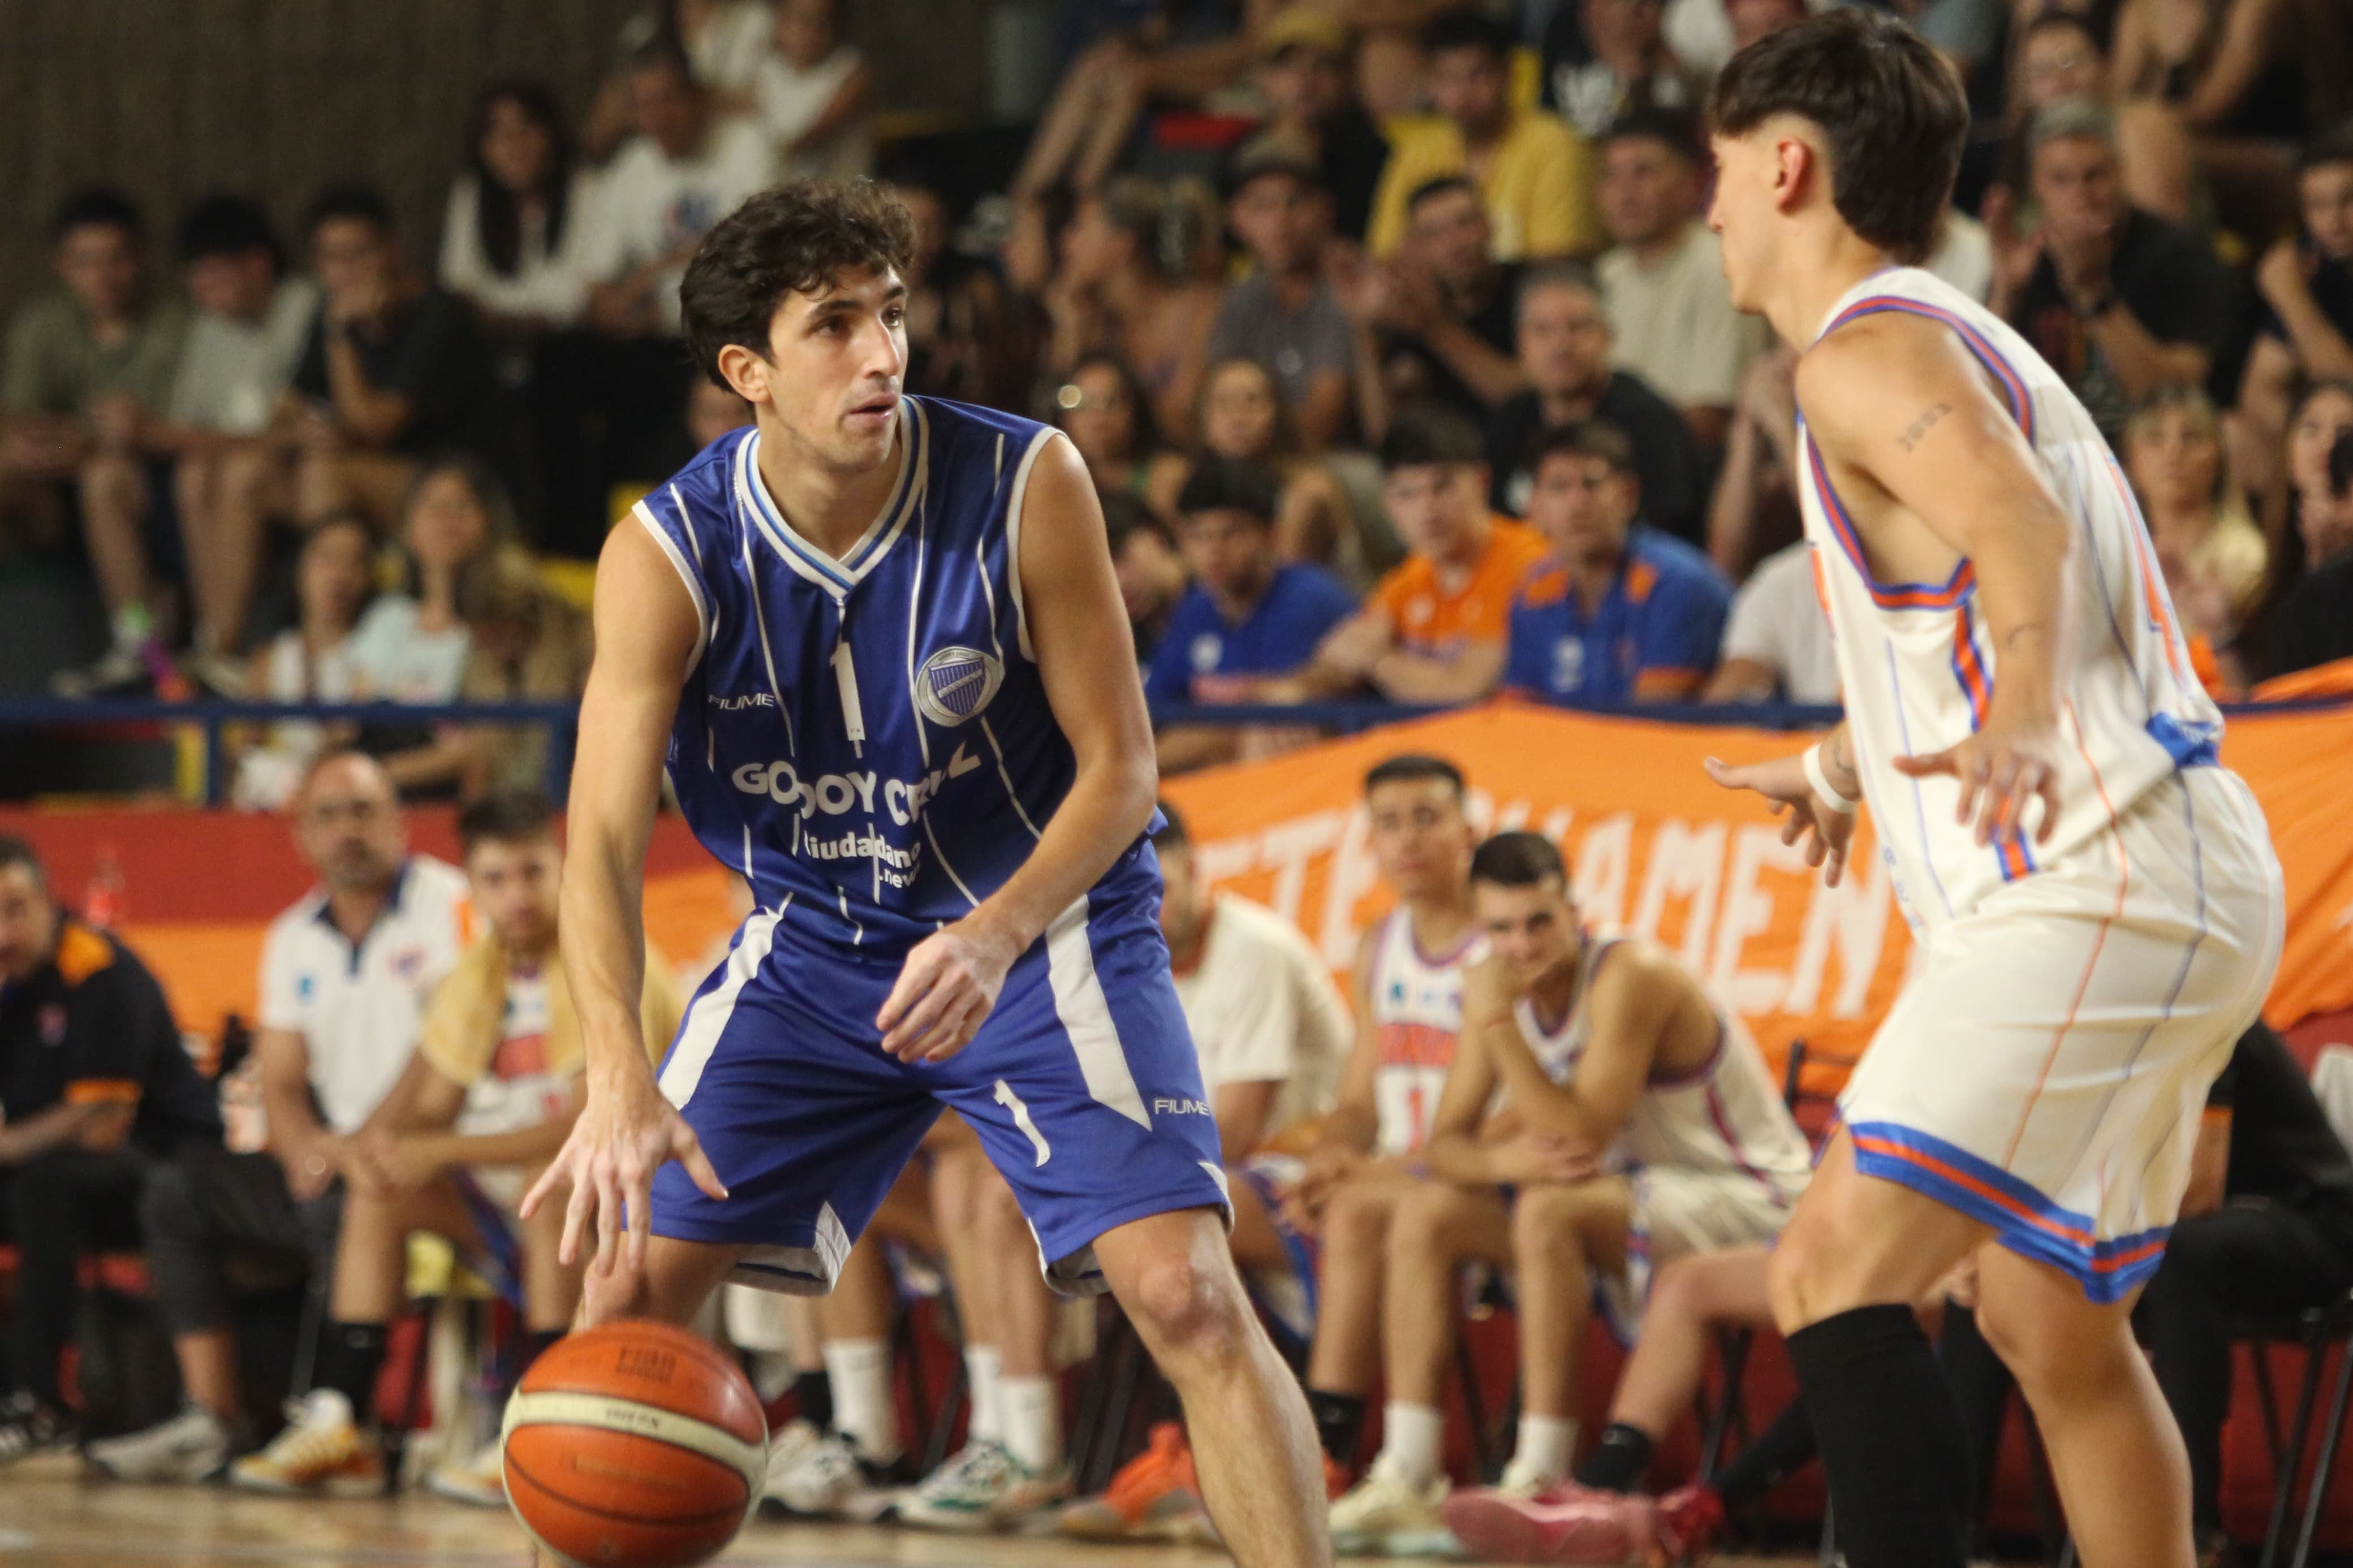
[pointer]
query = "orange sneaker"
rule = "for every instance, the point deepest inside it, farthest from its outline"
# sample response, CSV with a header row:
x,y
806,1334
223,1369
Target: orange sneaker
x,y
1155,1497
1335,1479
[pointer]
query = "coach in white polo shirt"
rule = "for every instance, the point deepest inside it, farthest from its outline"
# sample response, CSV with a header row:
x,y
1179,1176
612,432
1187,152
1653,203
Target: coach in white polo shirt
x,y
346,977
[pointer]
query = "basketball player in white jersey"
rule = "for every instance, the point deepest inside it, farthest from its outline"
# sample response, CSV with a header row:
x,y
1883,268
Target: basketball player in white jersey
x,y
1408,999
1645,1127
2096,903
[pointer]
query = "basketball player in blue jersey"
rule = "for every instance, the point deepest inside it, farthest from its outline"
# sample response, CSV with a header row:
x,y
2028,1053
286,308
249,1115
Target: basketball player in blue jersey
x,y
871,638
2096,905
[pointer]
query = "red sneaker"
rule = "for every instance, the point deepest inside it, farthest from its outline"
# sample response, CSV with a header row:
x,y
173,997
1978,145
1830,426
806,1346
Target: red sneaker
x,y
1567,1523
1688,1520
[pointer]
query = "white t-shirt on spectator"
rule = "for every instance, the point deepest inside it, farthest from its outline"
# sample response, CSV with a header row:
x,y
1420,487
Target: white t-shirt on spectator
x,y
232,373
651,204
398,663
359,1012
549,284
790,99
1263,1009
1674,323
1964,256
739,40
267,776
1778,621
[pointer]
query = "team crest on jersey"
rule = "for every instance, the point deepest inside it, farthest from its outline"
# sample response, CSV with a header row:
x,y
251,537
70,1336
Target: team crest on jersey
x,y
956,683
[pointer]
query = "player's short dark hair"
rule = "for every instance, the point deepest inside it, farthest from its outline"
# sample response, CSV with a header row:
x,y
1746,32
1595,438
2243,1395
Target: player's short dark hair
x,y
2334,145
1438,185
1517,859
1172,834
347,199
1676,132
1584,438
1429,434
1415,767
1231,484
1890,108
97,206
227,225
795,239
15,851
1466,28
507,816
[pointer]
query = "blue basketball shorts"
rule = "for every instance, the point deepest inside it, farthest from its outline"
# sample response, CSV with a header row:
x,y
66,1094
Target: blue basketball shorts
x,y
1082,1084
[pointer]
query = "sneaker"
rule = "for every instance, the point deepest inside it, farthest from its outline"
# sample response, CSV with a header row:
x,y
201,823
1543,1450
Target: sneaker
x,y
984,1488
1155,1496
216,674
1564,1523
321,1451
1388,1516
121,670
1689,1520
787,1446
829,1480
28,1427
193,1446
481,1479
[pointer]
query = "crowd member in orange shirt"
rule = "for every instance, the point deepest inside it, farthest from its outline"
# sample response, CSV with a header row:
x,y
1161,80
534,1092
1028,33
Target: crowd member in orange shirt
x,y
1434,630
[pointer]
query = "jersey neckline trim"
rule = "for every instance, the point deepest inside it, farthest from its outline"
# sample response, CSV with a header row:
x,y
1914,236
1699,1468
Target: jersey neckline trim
x,y
838,576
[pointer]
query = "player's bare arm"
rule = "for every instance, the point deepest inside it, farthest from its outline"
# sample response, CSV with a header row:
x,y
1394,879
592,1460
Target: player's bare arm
x,y
1524,1154
1633,1005
647,638
1071,602
1819,813
1344,1143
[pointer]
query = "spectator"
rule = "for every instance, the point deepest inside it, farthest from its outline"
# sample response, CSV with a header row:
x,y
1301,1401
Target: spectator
x,y
1754,508
1303,76
816,96
1151,573
525,643
1564,343
1104,411
2314,626
711,411
1534,172
1661,280
1242,419
2305,333
966,336
1606,60
1622,613
1776,641
2059,55
1284,315
1127,285
724,42
488,1097
513,241
1248,614
393,369
2208,546
85,366
1433,629
2324,413
1435,321
310,661
345,976
2119,302
94,1088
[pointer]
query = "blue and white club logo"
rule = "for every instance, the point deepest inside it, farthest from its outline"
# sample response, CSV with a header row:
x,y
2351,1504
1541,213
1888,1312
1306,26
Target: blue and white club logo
x,y
956,683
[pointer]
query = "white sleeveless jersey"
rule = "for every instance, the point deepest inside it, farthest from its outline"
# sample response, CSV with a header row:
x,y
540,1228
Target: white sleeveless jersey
x,y
1918,666
1724,1116
1417,1003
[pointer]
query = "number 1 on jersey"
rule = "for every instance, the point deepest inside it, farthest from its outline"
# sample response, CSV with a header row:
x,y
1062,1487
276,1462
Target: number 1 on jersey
x,y
1012,1101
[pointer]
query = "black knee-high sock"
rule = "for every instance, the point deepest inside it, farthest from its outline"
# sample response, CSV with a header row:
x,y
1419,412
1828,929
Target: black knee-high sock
x,y
1339,1422
1618,1461
1779,1451
1890,1438
350,1356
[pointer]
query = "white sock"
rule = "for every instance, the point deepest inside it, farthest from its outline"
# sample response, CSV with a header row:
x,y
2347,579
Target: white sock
x,y
1547,1445
1031,1411
863,1410
1413,1439
986,1422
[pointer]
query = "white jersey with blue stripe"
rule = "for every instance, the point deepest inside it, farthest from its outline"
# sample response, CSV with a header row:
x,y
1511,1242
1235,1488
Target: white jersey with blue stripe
x,y
1918,668
866,739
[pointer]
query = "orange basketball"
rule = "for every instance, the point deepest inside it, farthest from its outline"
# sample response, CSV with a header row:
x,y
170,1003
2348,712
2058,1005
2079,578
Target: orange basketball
x,y
633,1445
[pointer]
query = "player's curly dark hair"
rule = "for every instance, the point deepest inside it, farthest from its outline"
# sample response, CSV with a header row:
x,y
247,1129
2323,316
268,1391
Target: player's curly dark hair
x,y
794,240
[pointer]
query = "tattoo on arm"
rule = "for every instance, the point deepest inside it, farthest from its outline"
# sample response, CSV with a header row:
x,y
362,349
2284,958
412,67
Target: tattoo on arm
x,y
1913,432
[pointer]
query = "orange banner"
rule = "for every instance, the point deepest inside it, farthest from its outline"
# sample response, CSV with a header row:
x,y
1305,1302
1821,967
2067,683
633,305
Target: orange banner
x,y
1657,850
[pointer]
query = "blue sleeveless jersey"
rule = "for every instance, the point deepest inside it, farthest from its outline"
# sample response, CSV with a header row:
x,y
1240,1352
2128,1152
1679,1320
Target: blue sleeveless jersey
x,y
868,739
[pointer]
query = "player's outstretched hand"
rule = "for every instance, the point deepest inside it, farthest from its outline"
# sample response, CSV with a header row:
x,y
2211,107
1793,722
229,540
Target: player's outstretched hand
x,y
1782,781
945,990
2009,763
625,1133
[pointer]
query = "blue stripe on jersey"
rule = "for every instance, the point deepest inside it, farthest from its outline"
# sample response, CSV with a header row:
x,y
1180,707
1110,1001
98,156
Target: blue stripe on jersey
x,y
868,737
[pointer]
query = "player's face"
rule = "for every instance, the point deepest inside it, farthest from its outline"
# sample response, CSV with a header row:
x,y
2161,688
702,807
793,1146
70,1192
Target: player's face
x,y
347,825
1582,506
1531,929
28,922
833,370
513,887
1421,839
1746,179
1231,552
2326,194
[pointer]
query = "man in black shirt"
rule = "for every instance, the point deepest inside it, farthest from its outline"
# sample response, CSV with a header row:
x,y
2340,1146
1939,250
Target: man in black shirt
x,y
2266,1230
1436,320
2303,330
2315,625
93,1084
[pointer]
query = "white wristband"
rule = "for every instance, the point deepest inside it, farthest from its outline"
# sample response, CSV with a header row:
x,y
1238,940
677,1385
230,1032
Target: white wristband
x,y
1819,782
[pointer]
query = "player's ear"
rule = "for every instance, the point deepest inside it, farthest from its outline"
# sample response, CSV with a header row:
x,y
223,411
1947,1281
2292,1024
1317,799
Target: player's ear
x,y
1794,164
746,372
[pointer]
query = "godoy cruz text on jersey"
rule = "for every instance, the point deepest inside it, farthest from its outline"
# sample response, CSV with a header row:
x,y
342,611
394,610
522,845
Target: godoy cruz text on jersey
x,y
867,737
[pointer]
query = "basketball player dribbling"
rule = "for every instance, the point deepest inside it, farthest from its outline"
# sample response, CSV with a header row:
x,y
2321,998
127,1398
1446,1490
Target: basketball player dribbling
x,y
2095,901
869,637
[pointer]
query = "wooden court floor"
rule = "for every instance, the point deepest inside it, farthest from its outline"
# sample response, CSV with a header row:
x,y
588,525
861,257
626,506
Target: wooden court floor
x,y
50,1515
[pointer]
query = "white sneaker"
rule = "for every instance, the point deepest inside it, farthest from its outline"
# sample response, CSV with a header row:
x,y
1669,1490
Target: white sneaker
x,y
191,1446
321,1451
1520,1482
1385,1515
788,1445
984,1487
481,1479
828,1479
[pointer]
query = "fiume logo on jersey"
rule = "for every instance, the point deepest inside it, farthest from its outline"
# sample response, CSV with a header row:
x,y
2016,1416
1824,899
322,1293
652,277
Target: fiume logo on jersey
x,y
956,683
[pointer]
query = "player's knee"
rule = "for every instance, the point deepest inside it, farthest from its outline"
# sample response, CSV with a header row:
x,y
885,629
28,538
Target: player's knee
x,y
1187,1308
1426,1219
1546,1220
